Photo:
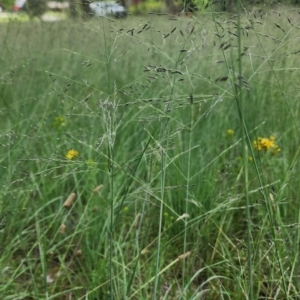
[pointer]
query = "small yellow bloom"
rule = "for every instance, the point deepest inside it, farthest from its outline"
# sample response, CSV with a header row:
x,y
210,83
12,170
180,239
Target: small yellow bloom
x,y
230,132
250,158
59,121
276,150
71,154
266,144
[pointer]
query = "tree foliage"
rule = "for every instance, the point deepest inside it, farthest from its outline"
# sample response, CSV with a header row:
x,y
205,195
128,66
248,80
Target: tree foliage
x,y
85,6
36,8
189,5
7,4
81,7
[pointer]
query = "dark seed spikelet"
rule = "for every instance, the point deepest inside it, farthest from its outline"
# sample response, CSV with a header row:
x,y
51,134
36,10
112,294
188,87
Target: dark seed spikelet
x,y
278,26
224,78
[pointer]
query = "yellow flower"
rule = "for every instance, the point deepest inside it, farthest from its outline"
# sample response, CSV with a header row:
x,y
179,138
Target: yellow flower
x,y
59,121
276,150
250,158
266,144
71,154
230,132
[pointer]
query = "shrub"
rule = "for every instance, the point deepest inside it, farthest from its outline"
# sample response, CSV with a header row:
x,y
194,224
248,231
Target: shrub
x,y
148,6
36,8
7,4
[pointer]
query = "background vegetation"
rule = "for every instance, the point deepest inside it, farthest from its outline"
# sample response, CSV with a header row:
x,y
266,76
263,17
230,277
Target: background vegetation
x,y
129,167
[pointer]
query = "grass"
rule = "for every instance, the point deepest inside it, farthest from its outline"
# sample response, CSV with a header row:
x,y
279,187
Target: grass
x,y
160,118
23,17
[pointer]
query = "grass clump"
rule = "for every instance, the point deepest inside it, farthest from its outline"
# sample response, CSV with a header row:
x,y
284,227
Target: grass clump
x,y
137,158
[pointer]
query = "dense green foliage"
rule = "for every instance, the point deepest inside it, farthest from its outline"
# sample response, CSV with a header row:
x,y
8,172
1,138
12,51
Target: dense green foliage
x,y
36,8
166,113
7,4
148,6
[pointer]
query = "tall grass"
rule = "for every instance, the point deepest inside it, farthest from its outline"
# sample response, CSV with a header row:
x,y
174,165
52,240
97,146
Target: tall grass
x,y
173,200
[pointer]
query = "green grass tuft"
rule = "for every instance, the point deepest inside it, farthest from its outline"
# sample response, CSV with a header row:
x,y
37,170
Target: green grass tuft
x,y
164,115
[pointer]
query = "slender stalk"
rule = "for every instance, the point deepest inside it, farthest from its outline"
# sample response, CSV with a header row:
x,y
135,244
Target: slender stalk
x,y
240,104
111,175
187,190
162,187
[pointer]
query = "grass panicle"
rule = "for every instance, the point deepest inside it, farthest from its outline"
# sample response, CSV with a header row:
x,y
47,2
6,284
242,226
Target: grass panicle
x,y
177,141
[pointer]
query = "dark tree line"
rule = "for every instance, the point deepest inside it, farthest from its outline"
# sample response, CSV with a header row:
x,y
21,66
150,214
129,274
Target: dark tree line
x,y
225,5
74,9
81,7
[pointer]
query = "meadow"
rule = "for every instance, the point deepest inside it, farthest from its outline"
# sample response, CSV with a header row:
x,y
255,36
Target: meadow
x,y
155,157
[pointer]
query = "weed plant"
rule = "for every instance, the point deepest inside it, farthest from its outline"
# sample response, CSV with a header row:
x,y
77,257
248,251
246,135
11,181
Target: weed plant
x,y
151,158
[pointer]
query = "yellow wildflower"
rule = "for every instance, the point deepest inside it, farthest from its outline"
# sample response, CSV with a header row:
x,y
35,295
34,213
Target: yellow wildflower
x,y
71,154
266,144
230,132
59,121
276,150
